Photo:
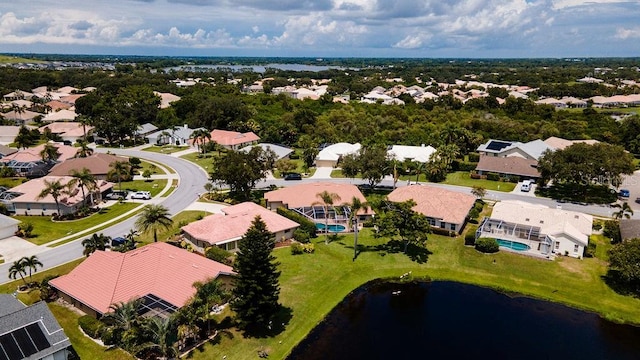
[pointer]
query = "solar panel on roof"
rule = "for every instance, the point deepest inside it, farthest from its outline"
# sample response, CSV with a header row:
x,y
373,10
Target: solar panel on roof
x,y
10,347
24,342
38,337
3,356
497,145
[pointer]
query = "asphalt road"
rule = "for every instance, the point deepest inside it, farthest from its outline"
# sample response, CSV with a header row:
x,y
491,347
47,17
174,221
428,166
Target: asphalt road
x,y
192,180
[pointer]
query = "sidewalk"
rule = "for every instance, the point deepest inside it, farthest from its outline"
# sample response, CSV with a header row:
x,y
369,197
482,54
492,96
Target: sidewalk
x,y
190,150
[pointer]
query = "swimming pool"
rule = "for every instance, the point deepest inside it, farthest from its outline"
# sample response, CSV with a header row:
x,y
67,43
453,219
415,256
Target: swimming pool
x,y
513,245
332,227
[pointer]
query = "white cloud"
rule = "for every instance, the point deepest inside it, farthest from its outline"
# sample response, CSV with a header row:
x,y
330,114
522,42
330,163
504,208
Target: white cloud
x,y
561,4
624,34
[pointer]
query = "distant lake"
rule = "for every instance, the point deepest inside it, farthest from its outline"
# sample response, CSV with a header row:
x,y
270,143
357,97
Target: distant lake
x,y
256,68
447,320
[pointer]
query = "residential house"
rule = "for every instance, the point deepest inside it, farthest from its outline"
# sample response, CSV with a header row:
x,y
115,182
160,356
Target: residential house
x,y
557,143
8,226
22,117
304,200
25,160
420,154
537,229
31,332
281,152
629,229
29,202
508,166
98,164
5,150
443,208
225,230
8,133
166,99
532,150
160,274
57,105
60,115
331,155
69,130
233,140
179,136
17,95
146,129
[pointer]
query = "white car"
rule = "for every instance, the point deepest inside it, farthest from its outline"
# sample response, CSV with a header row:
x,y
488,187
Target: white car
x,y
142,195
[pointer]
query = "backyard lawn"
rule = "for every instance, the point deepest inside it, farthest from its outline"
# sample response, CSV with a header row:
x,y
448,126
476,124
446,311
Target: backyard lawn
x,y
312,284
204,161
45,230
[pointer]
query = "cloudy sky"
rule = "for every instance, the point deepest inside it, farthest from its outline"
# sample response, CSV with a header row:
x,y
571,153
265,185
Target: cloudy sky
x,y
324,28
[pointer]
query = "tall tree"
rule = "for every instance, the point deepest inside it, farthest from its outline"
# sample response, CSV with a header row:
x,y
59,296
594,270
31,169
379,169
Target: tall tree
x,y
153,218
32,263
119,169
399,219
624,264
123,320
18,268
85,179
326,199
55,189
309,149
257,287
242,170
50,153
94,243
84,150
355,205
625,211
200,138
163,336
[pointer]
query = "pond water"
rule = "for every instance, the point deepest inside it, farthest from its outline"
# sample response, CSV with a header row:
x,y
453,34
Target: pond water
x,y
447,320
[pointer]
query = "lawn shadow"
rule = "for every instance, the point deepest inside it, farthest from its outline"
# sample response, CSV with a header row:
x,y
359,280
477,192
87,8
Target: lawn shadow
x,y
275,327
214,341
415,252
613,279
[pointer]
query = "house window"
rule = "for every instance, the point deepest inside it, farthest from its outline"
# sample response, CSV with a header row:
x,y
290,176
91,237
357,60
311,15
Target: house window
x,y
575,248
452,227
442,224
432,222
557,245
28,206
44,207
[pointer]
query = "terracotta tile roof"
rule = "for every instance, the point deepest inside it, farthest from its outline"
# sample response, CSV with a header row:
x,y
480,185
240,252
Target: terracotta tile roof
x,y
56,105
435,202
32,188
230,138
67,128
98,164
33,154
159,268
512,165
237,219
71,99
306,194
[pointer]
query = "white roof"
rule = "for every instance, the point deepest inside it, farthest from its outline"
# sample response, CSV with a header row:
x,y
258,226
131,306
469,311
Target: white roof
x,y
333,152
279,150
415,153
60,115
553,222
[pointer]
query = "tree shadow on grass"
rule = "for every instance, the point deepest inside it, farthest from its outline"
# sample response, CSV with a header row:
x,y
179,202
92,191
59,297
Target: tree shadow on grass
x,y
617,284
214,341
277,325
415,252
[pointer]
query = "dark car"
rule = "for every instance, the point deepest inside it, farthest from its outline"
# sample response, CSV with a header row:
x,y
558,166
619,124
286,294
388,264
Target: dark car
x,y
624,193
293,176
638,200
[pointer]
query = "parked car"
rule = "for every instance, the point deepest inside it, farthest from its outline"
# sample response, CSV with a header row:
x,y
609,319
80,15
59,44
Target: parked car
x,y
526,185
624,193
117,195
638,200
142,195
293,176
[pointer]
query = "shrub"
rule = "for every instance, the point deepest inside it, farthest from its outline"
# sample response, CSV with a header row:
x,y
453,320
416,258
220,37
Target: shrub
x,y
441,231
475,176
474,157
297,249
458,165
91,326
487,245
597,225
301,236
135,162
3,209
110,336
474,213
590,251
220,255
470,236
309,248
612,231
493,176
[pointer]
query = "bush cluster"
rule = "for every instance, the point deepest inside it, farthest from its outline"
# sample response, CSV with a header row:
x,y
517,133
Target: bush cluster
x,y
298,249
487,245
218,254
470,236
91,326
493,176
306,225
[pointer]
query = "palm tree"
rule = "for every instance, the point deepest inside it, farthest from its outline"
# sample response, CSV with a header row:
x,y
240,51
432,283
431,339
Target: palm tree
x,y
163,337
50,152
119,169
327,199
83,178
355,205
84,120
84,150
199,138
129,243
55,189
32,262
152,218
94,243
18,268
624,212
164,135
122,318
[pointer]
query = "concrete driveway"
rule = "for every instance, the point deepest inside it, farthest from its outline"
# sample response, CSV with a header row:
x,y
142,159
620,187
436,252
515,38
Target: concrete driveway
x,y
13,248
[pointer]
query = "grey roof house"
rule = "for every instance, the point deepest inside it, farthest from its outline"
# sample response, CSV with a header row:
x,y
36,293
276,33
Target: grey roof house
x,y
178,136
532,150
31,332
280,151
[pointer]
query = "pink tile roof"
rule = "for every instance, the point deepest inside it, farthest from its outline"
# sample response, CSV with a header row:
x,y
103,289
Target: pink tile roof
x,y
435,202
71,99
67,128
237,219
306,194
159,268
32,188
33,154
98,164
230,138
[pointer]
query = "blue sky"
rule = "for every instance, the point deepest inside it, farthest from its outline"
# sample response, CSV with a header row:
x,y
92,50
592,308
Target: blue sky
x,y
324,28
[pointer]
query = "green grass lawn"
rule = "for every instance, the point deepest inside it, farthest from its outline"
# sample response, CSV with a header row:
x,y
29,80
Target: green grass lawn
x,y
11,182
165,149
153,186
180,219
312,284
462,178
152,167
299,169
46,230
200,160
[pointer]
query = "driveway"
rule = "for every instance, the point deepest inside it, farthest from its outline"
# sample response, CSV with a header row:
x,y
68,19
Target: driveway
x,y
13,248
518,190
322,173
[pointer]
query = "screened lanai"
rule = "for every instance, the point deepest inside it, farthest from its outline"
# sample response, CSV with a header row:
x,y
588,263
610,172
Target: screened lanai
x,y
338,214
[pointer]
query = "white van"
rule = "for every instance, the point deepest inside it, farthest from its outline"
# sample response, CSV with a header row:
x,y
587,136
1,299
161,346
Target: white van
x,y
526,185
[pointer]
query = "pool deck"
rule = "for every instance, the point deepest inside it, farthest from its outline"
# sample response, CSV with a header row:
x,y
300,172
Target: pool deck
x,y
530,253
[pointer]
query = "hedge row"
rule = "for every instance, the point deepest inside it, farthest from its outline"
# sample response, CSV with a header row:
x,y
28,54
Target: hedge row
x,y
306,225
91,326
